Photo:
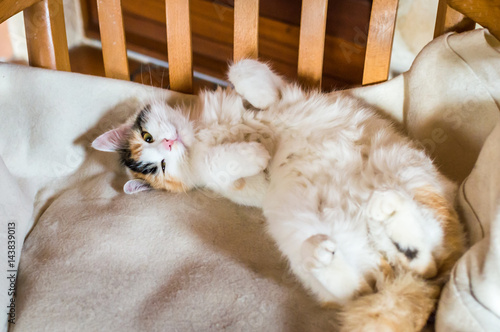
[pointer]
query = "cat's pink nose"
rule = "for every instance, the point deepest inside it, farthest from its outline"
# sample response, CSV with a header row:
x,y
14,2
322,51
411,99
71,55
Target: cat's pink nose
x,y
167,143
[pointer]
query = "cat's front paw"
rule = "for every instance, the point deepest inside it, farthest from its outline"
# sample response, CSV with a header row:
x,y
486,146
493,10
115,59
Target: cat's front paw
x,y
255,82
254,158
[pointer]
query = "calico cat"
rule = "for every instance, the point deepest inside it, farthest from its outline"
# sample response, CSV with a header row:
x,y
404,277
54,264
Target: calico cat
x,y
360,212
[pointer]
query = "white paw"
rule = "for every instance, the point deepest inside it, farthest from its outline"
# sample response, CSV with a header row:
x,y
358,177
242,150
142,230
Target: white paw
x,y
254,158
255,82
425,265
384,204
324,252
324,264
414,238
318,251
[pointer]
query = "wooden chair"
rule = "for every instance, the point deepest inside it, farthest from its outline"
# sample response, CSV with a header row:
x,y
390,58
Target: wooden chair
x,y
47,44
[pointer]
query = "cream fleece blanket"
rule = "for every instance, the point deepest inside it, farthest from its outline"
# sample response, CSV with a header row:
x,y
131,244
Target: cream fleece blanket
x,y
99,260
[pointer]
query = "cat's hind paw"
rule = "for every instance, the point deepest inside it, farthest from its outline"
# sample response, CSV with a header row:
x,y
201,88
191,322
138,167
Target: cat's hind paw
x,y
384,204
323,262
404,231
319,251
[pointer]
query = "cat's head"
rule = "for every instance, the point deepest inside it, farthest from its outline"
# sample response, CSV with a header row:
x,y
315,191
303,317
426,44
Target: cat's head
x,y
153,145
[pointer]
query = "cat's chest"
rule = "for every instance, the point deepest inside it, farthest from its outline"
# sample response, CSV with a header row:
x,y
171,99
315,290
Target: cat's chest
x,y
321,154
338,165
246,130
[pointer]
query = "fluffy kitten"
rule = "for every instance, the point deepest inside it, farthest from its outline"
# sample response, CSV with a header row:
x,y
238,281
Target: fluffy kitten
x,y
362,215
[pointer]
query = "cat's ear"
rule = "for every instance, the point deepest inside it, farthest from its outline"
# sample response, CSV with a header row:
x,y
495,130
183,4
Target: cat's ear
x,y
112,140
135,186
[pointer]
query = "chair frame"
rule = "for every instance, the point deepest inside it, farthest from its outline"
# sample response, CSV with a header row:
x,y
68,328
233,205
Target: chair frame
x,y
47,42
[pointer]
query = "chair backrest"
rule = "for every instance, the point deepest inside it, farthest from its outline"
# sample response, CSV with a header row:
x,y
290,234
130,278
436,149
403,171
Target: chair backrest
x,y
47,45
45,31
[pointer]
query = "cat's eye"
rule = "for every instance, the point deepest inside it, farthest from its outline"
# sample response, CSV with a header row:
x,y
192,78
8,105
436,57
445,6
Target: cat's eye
x,y
163,166
147,137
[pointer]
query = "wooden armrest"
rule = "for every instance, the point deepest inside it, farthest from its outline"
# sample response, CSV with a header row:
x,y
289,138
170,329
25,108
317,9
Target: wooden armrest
x,y
9,8
483,12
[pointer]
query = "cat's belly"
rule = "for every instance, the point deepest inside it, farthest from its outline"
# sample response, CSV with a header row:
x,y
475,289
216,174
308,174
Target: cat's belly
x,y
317,190
310,197
336,166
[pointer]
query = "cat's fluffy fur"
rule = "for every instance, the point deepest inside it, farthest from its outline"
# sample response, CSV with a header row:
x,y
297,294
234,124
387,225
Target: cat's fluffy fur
x,y
362,215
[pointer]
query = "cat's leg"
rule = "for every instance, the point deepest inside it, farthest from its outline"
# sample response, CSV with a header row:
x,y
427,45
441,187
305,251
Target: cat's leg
x,y
406,230
331,258
255,82
233,161
249,191
235,171
332,270
411,220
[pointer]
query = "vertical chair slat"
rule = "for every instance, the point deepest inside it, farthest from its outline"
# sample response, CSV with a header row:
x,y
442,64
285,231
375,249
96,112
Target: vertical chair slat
x,y
246,29
114,50
312,41
448,19
379,43
46,35
179,48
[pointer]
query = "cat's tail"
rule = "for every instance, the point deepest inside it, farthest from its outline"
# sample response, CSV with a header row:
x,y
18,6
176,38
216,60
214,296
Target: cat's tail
x,y
402,303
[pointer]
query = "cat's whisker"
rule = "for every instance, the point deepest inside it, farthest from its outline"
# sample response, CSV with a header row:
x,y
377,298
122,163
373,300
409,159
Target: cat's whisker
x,y
162,75
142,73
150,76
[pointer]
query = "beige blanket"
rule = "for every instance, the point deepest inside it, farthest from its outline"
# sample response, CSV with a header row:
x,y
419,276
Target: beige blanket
x,y
99,260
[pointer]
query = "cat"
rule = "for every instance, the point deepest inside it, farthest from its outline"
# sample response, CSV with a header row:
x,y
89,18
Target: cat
x,y
362,215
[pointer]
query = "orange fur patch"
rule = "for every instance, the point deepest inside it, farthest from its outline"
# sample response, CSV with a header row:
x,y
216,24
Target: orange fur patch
x,y
239,184
153,180
386,269
402,304
136,142
427,197
330,305
158,182
175,185
453,245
